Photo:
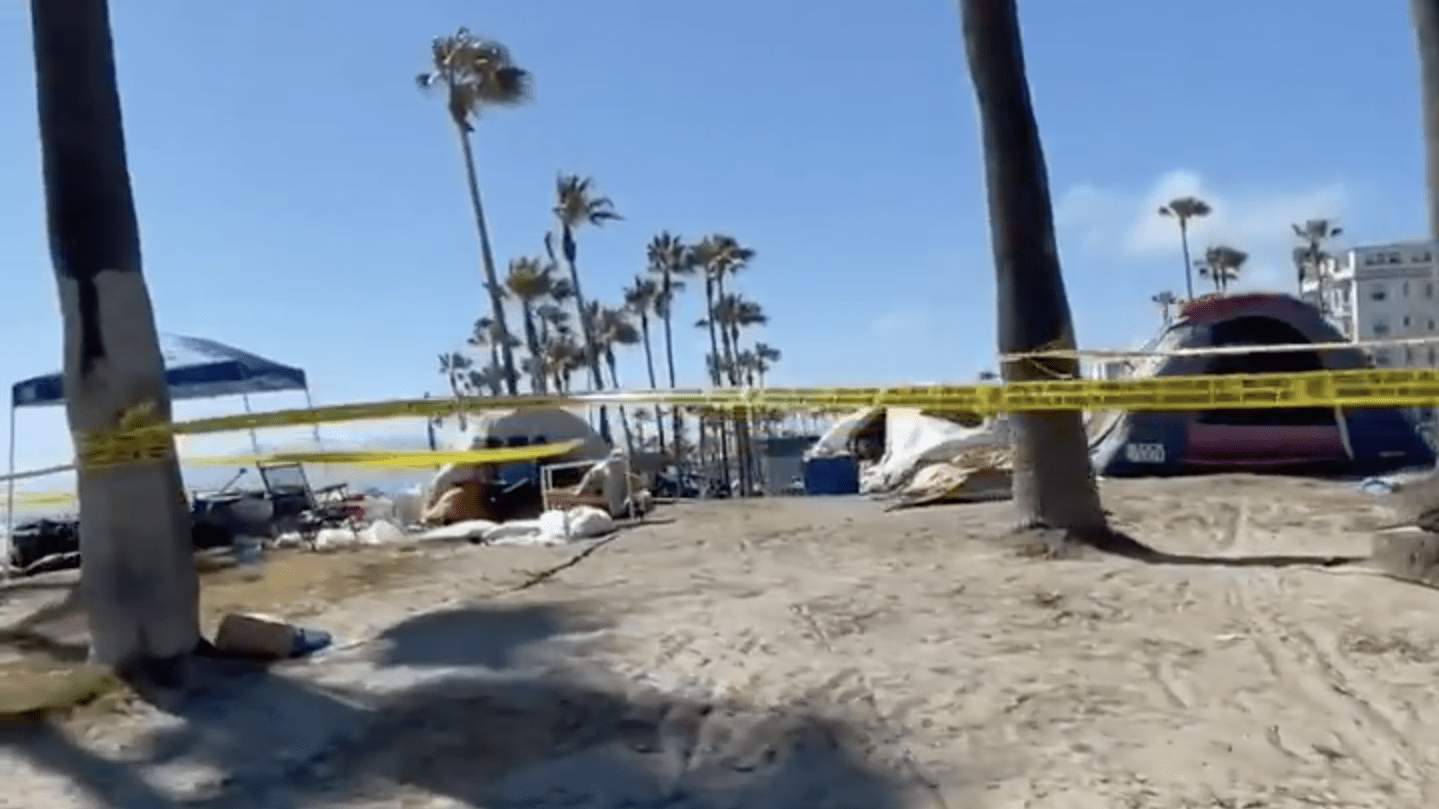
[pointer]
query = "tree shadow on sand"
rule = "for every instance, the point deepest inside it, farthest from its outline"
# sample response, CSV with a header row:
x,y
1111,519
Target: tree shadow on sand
x,y
1058,544
510,717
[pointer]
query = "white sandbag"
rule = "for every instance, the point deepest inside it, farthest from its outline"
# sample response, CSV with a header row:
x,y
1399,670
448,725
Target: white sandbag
x,y
585,522
554,527
329,539
460,531
381,532
518,532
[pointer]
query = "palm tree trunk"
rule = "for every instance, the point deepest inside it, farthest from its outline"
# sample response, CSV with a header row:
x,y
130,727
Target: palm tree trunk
x,y
587,329
650,367
1426,28
1054,483
624,419
715,373
137,580
676,420
1188,265
532,343
492,280
738,428
495,363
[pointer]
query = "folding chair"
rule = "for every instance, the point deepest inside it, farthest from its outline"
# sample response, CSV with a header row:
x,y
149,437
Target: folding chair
x,y
305,510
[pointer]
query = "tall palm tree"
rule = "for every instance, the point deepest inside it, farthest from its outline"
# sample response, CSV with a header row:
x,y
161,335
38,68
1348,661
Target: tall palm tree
x,y
531,281
138,579
1165,301
487,334
706,256
1313,236
1222,265
671,260
613,330
720,256
765,356
1054,483
1183,210
1425,15
640,298
735,313
476,75
577,205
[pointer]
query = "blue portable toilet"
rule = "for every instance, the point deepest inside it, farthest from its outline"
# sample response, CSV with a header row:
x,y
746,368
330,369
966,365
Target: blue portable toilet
x,y
836,474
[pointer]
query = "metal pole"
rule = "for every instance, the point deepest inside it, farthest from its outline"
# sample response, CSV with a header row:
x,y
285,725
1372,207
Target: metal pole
x,y
254,439
310,403
10,498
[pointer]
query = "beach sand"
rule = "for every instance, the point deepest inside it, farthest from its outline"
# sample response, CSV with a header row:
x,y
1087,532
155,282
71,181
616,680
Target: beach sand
x,y
817,653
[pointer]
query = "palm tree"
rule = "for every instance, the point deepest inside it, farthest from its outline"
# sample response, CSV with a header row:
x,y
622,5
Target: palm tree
x,y
1425,14
455,368
475,75
1222,265
1054,483
765,356
640,298
576,205
671,260
735,313
138,580
1182,210
613,329
720,256
1165,300
1312,256
531,281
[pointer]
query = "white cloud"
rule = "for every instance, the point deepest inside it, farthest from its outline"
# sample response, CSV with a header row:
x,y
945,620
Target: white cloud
x,y
903,325
1125,224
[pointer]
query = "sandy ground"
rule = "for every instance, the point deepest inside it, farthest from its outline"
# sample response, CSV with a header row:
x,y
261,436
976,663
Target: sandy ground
x,y
816,653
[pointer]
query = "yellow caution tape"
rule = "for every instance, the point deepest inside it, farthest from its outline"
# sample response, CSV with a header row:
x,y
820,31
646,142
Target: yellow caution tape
x,y
420,459
1367,388
44,498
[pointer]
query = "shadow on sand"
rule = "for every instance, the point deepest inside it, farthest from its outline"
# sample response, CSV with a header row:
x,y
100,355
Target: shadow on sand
x,y
1058,544
489,707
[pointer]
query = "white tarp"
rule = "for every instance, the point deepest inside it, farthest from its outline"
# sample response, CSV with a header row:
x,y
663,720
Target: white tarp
x,y
835,440
914,440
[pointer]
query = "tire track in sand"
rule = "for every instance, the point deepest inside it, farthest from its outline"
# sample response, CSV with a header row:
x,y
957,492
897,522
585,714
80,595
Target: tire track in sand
x,y
1302,667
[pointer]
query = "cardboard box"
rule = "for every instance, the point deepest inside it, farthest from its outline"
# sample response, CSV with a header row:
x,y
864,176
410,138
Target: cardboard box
x,y
256,636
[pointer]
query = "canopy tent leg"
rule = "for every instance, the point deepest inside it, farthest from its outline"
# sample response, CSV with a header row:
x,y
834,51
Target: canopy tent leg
x,y
9,501
310,403
254,439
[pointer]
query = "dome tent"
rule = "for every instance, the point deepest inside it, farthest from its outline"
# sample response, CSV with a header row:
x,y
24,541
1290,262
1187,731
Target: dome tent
x,y
1318,439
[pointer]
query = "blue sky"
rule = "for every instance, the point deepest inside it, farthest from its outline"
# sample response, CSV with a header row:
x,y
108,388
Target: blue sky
x,y
300,198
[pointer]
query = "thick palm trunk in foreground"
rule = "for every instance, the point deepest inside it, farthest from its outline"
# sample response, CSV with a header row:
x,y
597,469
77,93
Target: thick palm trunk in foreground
x,y
1054,484
1426,29
138,579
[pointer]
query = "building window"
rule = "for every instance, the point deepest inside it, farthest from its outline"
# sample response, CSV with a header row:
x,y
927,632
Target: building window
x,y
1377,292
1431,324
1381,358
1429,289
1406,289
1393,258
1408,355
1431,355
1406,321
1380,328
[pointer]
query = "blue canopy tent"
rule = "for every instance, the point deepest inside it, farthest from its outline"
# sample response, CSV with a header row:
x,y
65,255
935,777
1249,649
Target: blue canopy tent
x,y
195,368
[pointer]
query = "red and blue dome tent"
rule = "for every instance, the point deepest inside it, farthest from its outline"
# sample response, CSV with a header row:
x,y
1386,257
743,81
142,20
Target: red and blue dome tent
x,y
1314,439
195,368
